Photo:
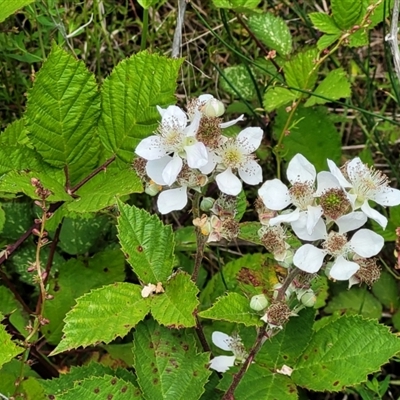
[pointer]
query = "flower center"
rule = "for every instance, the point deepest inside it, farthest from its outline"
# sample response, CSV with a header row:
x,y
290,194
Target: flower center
x,y
301,194
335,244
232,156
334,203
367,183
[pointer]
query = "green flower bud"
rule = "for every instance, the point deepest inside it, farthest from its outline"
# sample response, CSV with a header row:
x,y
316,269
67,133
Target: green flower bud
x,y
152,189
309,299
259,302
213,108
206,203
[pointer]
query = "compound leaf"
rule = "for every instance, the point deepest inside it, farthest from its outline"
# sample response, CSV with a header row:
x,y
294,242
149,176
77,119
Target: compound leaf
x,y
102,315
343,352
167,363
148,243
129,99
62,110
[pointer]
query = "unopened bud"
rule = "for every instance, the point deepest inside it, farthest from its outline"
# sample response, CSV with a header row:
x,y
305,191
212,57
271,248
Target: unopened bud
x,y
259,302
206,204
34,181
309,299
152,189
213,108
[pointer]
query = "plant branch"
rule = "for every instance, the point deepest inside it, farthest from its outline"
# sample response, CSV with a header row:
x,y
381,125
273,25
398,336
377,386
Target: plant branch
x,y
229,394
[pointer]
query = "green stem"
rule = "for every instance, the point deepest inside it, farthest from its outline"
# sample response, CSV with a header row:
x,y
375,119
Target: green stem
x,y
145,29
201,239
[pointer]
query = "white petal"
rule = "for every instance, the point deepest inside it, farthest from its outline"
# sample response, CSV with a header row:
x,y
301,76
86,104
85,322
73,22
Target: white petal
x,y
249,139
231,123
197,155
229,183
338,174
275,194
151,148
222,340
172,200
251,173
325,181
285,217
375,215
155,168
387,196
192,129
174,117
172,169
205,97
313,216
309,258
355,168
366,243
351,221
300,228
222,363
342,270
300,170
213,159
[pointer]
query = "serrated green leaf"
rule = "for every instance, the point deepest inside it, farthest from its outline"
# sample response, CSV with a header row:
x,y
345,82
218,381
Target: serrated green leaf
x,y
355,301
235,4
334,86
129,99
249,232
8,349
62,110
359,38
324,23
75,375
326,40
120,352
103,315
12,308
103,190
346,12
148,243
313,134
169,309
343,353
286,347
25,257
261,384
272,31
386,290
300,71
104,268
233,308
17,158
15,133
19,218
8,7
276,97
17,182
107,387
79,234
167,363
238,76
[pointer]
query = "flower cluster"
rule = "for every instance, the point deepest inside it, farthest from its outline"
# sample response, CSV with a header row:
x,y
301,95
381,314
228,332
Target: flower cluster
x,y
188,150
326,210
